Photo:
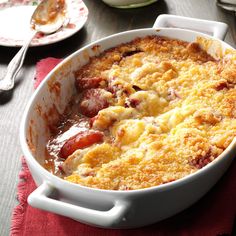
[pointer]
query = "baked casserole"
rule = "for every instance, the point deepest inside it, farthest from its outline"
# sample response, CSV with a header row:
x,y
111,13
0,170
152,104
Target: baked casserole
x,y
147,112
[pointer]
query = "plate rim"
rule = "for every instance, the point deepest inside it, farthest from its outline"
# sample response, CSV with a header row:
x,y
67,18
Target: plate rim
x,y
11,42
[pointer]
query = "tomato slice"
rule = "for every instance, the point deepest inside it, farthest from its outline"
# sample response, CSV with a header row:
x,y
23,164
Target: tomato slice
x,y
79,141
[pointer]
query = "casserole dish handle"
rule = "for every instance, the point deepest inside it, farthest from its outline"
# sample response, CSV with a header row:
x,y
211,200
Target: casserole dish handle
x,y
216,29
41,199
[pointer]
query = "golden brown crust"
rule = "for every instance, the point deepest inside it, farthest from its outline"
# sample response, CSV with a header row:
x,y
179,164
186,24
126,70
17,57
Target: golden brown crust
x,y
173,113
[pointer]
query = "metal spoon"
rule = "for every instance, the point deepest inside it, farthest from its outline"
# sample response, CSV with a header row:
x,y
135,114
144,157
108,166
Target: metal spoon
x,y
47,18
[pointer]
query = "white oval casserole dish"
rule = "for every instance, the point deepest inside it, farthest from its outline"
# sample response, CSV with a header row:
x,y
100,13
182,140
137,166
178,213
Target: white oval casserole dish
x,y
109,208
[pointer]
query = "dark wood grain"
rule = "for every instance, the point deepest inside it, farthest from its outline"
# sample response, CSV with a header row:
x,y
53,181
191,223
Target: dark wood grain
x,y
103,21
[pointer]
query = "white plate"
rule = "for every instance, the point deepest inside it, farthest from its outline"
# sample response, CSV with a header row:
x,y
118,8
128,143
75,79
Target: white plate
x,y
15,22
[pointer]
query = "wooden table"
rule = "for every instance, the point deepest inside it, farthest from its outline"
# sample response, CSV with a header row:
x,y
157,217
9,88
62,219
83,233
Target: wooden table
x,y
102,21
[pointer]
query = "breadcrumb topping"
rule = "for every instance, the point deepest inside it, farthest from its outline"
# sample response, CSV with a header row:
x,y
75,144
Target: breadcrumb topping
x,y
172,111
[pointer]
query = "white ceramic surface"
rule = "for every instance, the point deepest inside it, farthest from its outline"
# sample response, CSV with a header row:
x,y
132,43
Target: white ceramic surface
x,y
15,18
109,208
128,3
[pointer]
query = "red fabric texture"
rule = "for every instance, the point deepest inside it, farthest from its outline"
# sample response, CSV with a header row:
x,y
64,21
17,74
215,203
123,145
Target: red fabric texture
x,y
43,67
213,215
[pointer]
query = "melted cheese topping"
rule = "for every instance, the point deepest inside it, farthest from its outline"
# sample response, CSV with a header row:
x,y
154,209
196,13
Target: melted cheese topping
x,y
173,113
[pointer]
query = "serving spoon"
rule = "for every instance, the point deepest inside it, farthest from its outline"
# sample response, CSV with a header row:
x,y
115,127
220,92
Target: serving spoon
x,y
47,18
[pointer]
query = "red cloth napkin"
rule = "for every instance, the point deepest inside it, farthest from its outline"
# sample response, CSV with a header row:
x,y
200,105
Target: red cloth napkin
x,y
213,215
